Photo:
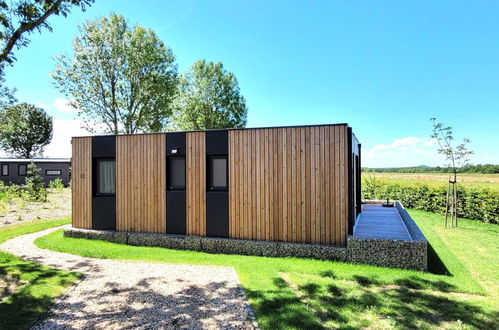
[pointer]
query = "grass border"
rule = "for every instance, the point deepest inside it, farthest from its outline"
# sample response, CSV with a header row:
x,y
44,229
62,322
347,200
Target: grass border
x,y
31,302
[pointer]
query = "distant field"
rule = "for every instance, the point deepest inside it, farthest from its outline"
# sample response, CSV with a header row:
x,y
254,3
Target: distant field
x,y
468,180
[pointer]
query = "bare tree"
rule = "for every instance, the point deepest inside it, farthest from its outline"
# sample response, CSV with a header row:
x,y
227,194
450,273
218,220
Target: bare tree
x,y
457,158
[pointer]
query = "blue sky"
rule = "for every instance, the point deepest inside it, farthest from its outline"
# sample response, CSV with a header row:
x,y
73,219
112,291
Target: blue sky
x,y
384,67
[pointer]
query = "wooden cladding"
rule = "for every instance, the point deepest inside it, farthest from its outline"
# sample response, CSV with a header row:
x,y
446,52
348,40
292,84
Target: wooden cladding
x,y
289,184
141,183
284,184
81,182
196,183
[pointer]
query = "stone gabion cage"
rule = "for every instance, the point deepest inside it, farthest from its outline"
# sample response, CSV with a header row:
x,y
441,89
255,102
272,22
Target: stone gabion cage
x,y
408,254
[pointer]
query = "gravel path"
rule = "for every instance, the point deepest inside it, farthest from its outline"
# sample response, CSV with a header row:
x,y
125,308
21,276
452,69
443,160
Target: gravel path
x,y
137,295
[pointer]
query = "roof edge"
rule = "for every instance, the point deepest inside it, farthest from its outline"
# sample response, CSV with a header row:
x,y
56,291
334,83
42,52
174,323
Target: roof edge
x,y
216,130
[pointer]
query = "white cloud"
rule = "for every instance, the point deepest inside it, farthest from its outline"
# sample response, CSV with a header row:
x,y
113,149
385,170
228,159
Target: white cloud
x,y
407,151
64,130
59,105
63,105
43,106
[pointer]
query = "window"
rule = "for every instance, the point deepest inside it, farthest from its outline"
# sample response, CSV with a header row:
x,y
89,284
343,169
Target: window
x,y
53,172
176,173
5,169
105,175
21,169
217,173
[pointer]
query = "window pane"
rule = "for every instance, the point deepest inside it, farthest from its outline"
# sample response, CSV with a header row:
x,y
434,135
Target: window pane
x,y
177,173
22,169
5,169
219,172
53,172
107,177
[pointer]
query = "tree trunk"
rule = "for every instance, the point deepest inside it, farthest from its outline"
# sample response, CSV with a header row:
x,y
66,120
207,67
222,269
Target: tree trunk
x,y
447,202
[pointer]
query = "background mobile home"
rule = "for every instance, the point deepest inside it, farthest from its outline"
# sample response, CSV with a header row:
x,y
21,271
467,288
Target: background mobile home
x,y
14,170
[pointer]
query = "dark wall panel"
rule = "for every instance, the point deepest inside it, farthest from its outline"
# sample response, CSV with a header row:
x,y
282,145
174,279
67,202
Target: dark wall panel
x,y
175,212
104,213
103,207
217,142
175,141
217,202
217,214
351,183
175,199
104,146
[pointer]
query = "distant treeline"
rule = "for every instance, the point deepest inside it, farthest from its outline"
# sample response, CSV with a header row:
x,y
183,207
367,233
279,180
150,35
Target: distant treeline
x,y
484,169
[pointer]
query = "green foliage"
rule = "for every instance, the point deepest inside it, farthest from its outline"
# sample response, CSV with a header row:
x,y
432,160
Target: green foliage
x,y
12,194
209,98
24,130
457,156
472,202
120,76
34,184
484,169
56,184
21,17
7,97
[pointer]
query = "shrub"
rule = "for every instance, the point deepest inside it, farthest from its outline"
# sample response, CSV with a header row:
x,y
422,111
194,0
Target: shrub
x,y
56,184
34,184
473,203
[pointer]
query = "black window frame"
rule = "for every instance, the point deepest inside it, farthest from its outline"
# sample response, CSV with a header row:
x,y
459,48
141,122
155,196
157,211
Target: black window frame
x,y
1,169
19,169
209,176
169,183
95,177
53,169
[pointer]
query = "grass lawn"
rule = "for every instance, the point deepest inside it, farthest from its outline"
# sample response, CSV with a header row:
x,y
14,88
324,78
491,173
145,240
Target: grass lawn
x,y
28,289
461,291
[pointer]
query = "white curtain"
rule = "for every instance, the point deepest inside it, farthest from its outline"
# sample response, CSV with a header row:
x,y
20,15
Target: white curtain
x,y
107,177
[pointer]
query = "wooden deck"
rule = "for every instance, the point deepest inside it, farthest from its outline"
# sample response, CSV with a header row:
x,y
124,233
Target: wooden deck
x,y
377,221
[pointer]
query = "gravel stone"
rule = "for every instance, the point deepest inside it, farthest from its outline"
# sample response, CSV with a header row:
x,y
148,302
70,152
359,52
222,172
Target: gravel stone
x,y
116,294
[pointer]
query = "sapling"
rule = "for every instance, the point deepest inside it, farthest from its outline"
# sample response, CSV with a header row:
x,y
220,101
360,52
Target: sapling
x,y
457,157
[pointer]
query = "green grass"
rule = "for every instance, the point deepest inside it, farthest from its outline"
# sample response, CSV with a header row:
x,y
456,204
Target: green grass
x,y
472,249
38,286
300,293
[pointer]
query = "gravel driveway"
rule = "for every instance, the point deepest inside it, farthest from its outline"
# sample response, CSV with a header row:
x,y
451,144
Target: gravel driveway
x,y
137,295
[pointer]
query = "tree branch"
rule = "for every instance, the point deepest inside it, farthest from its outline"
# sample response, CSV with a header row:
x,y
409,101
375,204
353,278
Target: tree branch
x,y
23,28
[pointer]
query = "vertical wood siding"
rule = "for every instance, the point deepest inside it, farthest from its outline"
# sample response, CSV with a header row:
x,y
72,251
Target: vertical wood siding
x,y
196,183
141,183
289,184
81,185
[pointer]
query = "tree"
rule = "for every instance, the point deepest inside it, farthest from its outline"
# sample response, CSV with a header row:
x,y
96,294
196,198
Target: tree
x,y
6,94
21,17
209,98
457,158
24,130
120,77
34,183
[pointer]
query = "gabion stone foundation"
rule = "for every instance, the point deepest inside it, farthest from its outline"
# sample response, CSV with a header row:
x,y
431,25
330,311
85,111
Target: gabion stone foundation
x,y
388,253
409,254
215,245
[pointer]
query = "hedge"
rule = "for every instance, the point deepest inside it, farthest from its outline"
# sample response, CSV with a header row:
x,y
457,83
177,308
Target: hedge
x,y
473,203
